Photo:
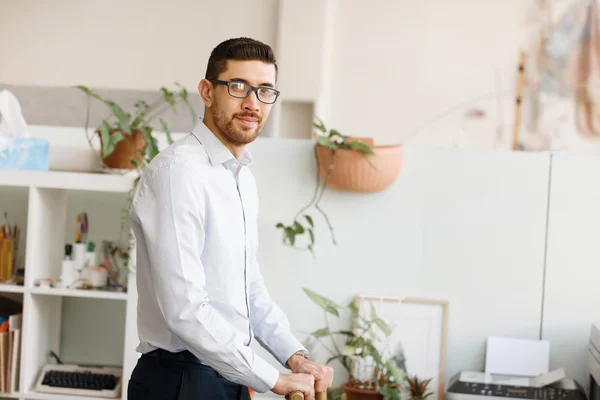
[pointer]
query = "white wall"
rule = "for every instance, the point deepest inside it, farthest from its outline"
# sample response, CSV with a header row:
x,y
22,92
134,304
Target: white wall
x,y
134,44
394,65
456,225
571,294
432,55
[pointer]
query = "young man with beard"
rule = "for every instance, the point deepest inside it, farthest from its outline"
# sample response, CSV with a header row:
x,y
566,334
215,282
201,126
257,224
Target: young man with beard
x,y
201,297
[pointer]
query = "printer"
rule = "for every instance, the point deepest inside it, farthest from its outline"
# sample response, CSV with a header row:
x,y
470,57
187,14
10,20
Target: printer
x,y
484,386
594,362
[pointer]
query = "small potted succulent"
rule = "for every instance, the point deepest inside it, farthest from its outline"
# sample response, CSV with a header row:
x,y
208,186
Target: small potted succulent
x,y
418,388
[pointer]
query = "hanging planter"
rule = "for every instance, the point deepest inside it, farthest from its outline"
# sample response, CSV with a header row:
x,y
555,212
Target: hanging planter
x,y
343,163
356,171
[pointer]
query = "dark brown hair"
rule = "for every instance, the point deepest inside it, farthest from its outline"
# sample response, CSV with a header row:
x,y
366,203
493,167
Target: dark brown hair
x,y
241,49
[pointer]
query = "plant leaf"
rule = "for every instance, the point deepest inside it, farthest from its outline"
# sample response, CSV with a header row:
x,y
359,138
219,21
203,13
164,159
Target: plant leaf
x,y
151,142
361,147
321,332
379,322
394,371
89,92
323,302
311,234
119,114
168,96
298,228
333,133
383,326
167,131
291,234
310,220
349,350
319,125
326,142
389,393
107,145
280,225
373,352
335,393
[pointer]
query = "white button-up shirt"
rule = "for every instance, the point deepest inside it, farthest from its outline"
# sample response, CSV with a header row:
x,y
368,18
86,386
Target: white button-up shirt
x,y
194,216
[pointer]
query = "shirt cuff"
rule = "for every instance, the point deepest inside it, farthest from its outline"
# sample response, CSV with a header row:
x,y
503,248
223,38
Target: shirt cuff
x,y
263,377
283,347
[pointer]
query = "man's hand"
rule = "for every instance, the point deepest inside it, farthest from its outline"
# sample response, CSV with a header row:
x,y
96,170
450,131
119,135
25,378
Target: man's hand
x,y
287,384
323,374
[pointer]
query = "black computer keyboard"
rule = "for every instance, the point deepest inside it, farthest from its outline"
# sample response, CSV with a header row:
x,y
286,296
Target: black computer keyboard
x,y
80,380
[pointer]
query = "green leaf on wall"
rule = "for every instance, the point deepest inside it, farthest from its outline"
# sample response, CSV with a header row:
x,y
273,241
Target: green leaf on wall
x,y
323,302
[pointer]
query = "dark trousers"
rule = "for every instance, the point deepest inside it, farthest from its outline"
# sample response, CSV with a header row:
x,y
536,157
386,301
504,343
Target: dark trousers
x,y
168,376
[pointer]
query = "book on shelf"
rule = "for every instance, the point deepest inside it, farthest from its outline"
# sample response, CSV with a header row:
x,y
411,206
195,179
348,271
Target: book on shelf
x,y
11,317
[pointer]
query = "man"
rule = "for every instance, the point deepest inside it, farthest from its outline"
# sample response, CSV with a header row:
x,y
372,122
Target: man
x,y
202,300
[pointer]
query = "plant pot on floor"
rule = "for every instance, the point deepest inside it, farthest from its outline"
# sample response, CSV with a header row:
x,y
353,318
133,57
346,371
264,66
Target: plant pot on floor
x,y
131,148
353,393
357,172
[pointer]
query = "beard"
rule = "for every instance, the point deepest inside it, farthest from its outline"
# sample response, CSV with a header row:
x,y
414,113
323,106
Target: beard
x,y
237,135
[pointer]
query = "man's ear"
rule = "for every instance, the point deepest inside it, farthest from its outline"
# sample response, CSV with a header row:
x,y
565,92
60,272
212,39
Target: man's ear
x,y
206,91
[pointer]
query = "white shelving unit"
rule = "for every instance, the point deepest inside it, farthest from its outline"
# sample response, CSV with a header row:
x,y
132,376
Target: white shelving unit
x,y
47,212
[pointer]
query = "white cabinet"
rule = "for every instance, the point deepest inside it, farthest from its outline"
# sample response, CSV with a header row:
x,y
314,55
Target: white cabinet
x,y
81,326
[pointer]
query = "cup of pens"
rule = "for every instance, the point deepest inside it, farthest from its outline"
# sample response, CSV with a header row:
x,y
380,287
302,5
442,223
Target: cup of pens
x,y
9,249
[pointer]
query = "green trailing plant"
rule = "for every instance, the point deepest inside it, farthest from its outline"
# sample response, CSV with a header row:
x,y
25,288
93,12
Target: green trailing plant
x,y
120,123
303,223
348,347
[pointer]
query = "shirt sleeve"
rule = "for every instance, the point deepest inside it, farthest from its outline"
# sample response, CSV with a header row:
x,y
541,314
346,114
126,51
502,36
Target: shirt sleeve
x,y
269,322
171,215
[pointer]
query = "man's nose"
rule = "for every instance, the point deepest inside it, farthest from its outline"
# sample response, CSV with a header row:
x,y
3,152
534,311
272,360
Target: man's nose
x,y
251,102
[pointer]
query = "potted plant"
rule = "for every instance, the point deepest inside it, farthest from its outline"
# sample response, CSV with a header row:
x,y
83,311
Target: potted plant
x,y
418,388
372,375
343,163
127,140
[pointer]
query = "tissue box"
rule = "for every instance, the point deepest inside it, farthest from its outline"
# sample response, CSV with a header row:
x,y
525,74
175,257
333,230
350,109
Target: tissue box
x,y
24,153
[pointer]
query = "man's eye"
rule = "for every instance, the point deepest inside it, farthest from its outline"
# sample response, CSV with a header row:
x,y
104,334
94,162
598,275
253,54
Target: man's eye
x,y
238,86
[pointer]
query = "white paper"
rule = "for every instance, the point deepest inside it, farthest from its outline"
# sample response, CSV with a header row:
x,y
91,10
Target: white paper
x,y
517,357
12,123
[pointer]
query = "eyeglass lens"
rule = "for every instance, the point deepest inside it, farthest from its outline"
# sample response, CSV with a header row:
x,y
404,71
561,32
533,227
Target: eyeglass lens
x,y
240,89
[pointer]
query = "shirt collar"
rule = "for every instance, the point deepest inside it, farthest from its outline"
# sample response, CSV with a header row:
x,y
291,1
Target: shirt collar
x,y
217,152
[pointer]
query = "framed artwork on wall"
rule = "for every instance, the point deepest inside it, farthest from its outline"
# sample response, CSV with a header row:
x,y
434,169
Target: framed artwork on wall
x,y
419,330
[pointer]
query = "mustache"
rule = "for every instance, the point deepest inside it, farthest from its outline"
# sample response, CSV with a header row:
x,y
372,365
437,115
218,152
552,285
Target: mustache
x,y
248,115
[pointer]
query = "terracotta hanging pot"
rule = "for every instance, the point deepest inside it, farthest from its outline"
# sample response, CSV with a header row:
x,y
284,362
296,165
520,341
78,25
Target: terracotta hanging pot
x,y
130,148
358,172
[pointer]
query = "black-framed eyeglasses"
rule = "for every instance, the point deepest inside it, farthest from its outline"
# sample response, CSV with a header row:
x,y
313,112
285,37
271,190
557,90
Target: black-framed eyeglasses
x,y
241,90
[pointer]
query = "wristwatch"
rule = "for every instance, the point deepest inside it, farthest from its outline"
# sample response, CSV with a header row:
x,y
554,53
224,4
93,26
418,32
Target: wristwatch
x,y
302,353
